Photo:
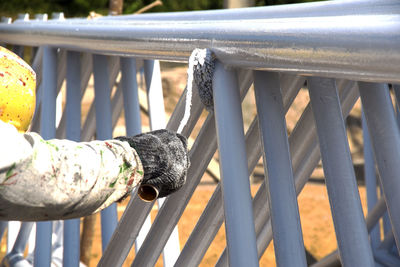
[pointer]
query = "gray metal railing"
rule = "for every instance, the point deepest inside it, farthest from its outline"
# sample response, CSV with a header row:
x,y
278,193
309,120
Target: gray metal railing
x,y
341,49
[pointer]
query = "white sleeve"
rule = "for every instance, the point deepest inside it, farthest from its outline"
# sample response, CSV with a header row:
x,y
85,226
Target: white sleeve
x,y
61,179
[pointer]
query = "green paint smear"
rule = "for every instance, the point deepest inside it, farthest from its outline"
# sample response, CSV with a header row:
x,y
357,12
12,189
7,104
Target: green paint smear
x,y
113,184
50,144
140,172
9,172
125,166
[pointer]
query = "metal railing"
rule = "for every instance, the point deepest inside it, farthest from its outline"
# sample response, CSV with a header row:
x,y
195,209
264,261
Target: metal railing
x,y
341,49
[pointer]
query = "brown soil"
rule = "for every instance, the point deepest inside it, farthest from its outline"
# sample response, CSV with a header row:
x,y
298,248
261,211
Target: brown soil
x,y
316,220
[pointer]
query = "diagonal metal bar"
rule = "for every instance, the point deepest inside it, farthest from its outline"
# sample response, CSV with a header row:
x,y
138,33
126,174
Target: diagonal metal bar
x,y
137,210
212,216
86,67
385,138
239,225
174,206
351,232
370,181
305,156
288,238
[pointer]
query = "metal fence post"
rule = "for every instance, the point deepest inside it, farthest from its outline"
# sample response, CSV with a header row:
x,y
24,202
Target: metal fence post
x,y
71,253
239,222
131,97
385,139
351,231
48,131
288,239
370,181
109,218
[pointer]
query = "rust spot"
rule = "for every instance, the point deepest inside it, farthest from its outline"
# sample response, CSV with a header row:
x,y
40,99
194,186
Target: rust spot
x,y
1,74
22,81
108,145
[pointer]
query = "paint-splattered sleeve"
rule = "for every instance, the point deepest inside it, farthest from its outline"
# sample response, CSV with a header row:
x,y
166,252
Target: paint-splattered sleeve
x,y
60,179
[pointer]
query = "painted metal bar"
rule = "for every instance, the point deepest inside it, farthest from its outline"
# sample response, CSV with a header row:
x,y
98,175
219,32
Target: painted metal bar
x,y
136,212
385,138
156,109
89,126
239,224
262,41
305,156
371,220
16,256
370,181
131,97
388,241
351,232
109,218
202,153
22,238
386,258
47,130
61,71
288,238
155,100
71,252
212,216
86,66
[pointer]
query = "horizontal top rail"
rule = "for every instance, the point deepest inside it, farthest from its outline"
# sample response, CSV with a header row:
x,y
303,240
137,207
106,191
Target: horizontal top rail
x,y
357,47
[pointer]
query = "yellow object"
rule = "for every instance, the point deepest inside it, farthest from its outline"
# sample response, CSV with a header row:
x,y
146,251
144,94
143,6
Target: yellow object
x,y
17,90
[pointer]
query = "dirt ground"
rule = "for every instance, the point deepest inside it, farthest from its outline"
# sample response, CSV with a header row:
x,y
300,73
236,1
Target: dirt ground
x,y
316,221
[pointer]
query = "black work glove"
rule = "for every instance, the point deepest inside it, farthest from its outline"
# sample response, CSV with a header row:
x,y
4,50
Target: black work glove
x,y
164,158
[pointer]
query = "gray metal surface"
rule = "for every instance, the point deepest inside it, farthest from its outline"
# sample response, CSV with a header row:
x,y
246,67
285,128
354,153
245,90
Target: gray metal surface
x,y
239,225
347,214
71,252
285,44
109,218
288,238
385,139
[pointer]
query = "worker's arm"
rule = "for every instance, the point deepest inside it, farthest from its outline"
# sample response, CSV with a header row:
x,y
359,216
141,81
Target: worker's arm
x,y
60,179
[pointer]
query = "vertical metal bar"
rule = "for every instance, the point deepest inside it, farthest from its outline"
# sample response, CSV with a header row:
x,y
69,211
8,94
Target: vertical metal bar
x,y
240,232
155,101
154,94
131,97
71,253
48,131
370,181
305,156
371,220
102,88
288,239
212,216
136,212
351,232
385,138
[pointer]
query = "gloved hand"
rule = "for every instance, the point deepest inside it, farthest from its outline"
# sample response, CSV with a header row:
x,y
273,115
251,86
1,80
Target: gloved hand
x,y
164,158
